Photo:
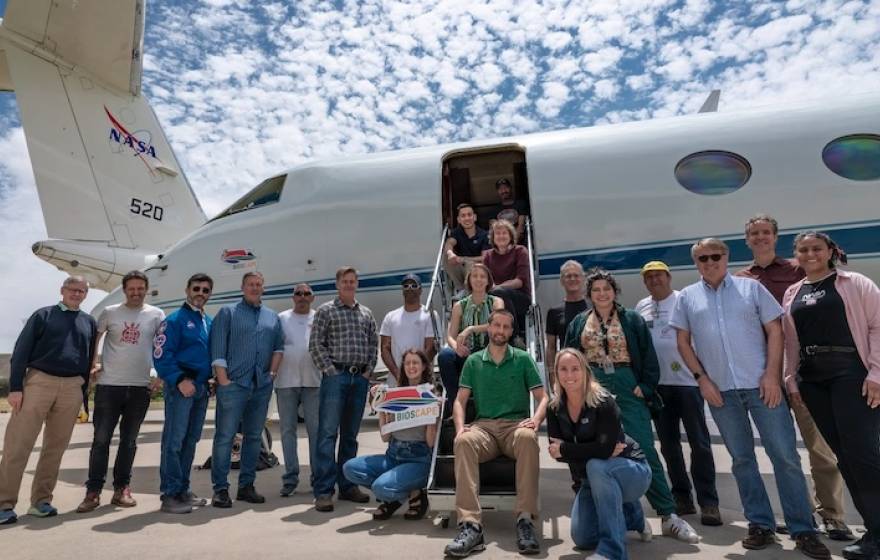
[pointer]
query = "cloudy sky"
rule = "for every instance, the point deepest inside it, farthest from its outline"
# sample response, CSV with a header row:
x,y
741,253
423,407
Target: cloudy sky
x,y
245,89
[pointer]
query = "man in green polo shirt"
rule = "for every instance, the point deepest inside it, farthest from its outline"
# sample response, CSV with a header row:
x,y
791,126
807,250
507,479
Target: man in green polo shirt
x,y
500,378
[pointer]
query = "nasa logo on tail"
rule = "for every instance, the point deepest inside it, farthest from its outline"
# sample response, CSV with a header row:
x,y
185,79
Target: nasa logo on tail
x,y
138,143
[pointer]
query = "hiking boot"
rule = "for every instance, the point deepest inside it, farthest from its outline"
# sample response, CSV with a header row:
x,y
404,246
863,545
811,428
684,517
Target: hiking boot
x,y
526,540
675,526
324,502
866,548
684,505
810,545
194,500
221,499
7,516
175,504
90,502
249,494
122,498
43,509
710,516
469,539
837,530
759,538
355,495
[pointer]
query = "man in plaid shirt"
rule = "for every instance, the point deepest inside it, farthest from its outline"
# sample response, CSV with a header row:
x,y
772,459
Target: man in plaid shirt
x,y
344,346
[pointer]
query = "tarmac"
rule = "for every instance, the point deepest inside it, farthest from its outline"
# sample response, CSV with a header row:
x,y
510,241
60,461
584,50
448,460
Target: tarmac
x,y
290,527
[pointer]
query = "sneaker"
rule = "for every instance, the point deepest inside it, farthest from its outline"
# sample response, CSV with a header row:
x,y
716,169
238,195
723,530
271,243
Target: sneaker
x,y
810,545
221,499
710,516
194,500
43,509
175,504
249,494
684,505
469,539
324,502
837,530
355,495
526,541
287,491
122,498
759,538
675,526
7,516
646,534
596,556
90,502
863,549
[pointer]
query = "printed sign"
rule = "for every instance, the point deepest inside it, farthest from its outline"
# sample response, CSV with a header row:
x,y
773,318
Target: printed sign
x,y
407,406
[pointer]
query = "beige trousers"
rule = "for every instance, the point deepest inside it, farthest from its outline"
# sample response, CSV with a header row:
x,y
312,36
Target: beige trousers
x,y
827,481
50,400
486,440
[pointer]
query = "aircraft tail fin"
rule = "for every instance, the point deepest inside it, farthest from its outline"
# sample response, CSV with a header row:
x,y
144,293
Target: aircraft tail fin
x,y
105,173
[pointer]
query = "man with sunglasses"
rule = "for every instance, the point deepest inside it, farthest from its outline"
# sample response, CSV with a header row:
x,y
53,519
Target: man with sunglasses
x,y
298,383
182,358
408,326
777,274
736,359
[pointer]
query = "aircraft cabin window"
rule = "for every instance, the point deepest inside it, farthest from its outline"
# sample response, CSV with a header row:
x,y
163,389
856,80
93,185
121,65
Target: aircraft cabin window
x,y
855,157
267,192
713,172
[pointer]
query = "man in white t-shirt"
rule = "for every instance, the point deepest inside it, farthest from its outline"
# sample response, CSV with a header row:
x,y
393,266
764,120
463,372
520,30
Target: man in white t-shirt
x,y
124,388
406,327
298,383
683,403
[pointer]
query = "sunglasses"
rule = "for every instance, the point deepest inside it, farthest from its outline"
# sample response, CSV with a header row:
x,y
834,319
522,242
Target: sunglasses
x,y
201,290
705,258
302,294
410,286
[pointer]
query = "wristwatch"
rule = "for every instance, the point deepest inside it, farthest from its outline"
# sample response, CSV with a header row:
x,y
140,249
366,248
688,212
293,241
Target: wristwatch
x,y
698,375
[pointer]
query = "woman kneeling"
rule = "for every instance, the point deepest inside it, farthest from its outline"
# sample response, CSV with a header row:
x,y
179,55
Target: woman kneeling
x,y
608,467
402,472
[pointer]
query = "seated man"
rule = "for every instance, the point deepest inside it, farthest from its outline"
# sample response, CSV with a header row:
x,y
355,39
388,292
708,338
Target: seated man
x,y
464,246
499,378
510,209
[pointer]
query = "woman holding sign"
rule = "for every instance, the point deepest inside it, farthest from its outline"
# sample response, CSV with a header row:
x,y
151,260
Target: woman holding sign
x,y
402,472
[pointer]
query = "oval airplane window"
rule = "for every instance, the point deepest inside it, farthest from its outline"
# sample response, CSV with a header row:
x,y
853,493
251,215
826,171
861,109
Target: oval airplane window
x,y
855,157
713,172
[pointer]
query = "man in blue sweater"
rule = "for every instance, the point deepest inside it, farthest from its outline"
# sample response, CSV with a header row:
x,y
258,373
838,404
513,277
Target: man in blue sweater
x,y
49,367
182,358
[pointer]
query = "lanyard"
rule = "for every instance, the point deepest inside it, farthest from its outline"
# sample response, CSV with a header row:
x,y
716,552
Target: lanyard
x,y
603,326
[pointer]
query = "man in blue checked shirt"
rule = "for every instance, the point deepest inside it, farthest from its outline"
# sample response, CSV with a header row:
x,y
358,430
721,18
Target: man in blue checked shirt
x,y
183,361
247,344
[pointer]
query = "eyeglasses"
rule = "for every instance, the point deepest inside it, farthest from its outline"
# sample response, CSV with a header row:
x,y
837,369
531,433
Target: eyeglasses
x,y
572,275
302,294
411,287
201,290
705,258
77,290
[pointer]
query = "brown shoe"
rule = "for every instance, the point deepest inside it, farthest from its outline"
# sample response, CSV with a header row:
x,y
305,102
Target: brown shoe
x,y
759,538
122,498
710,516
324,503
90,502
354,494
810,545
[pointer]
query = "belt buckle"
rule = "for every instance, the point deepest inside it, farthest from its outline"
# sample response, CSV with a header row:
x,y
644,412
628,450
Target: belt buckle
x,y
354,370
810,350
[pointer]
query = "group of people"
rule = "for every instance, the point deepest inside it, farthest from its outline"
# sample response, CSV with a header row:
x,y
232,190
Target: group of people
x,y
776,337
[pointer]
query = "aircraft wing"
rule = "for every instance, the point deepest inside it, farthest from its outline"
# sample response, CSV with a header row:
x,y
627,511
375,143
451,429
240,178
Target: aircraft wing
x,y
103,37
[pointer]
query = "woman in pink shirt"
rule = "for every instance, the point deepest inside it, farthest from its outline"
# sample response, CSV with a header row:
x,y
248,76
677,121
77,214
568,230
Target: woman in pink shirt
x,y
832,364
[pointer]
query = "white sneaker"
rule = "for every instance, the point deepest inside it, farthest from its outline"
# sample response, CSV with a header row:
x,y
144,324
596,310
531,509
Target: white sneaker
x,y
596,556
675,526
646,534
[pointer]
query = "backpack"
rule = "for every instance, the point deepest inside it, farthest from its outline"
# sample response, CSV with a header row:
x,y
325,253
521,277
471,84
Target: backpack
x,y
265,460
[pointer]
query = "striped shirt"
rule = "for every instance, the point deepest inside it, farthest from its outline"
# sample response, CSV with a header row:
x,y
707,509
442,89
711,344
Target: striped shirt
x,y
243,339
343,335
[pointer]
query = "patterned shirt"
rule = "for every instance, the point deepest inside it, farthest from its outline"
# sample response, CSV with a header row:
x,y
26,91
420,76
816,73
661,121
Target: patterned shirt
x,y
243,339
343,335
593,340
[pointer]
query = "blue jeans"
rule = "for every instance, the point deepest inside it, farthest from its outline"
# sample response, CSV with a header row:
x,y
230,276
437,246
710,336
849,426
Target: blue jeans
x,y
184,418
289,399
245,407
343,397
607,505
684,405
393,476
776,429
450,365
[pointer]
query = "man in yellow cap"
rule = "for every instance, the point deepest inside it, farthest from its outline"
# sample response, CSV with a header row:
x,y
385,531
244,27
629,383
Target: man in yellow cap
x,y
683,403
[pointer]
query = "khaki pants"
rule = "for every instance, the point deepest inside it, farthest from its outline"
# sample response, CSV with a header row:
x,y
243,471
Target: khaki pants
x,y
486,440
458,272
827,481
48,399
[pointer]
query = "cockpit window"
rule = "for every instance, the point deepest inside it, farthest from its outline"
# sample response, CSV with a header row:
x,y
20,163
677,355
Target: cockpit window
x,y
855,157
267,192
713,172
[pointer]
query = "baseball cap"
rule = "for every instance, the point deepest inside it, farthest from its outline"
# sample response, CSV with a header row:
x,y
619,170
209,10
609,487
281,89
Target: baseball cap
x,y
412,278
655,265
502,181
